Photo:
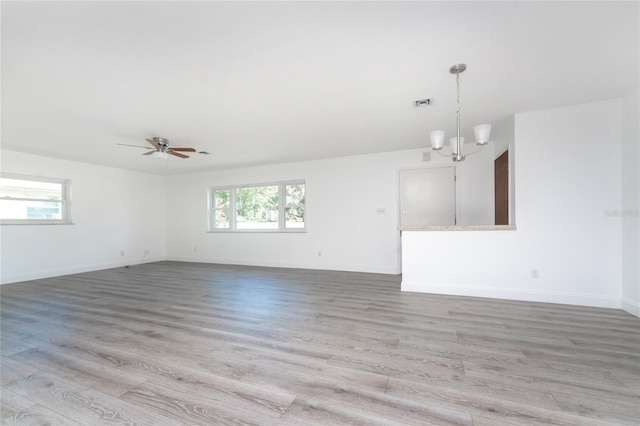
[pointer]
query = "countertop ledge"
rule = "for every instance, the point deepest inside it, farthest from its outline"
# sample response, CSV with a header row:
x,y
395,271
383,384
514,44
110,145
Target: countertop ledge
x,y
459,228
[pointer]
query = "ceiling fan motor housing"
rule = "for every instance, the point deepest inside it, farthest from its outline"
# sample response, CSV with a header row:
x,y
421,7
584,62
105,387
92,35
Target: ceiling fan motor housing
x,y
161,141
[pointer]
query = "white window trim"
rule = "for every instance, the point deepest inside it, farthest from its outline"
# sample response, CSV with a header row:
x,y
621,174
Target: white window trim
x,y
65,201
232,217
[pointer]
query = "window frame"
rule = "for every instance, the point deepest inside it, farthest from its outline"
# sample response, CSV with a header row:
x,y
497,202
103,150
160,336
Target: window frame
x,y
212,208
65,200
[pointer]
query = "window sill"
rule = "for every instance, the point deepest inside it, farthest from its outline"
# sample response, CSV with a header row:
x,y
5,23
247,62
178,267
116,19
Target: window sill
x,y
257,231
32,222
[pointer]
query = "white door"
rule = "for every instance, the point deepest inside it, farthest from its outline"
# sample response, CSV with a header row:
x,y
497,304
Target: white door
x,y
428,197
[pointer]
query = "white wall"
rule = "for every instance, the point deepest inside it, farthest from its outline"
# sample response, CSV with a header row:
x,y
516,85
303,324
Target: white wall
x,y
112,211
475,189
631,203
343,195
567,177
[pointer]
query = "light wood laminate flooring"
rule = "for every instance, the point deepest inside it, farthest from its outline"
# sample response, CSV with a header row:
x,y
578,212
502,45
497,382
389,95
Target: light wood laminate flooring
x,y
172,343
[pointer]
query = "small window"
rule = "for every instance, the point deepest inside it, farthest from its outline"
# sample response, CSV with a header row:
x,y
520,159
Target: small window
x,y
33,200
274,207
222,209
294,206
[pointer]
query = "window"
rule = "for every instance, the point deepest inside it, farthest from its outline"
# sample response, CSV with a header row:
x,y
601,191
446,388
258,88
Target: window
x,y
294,205
33,200
221,209
277,207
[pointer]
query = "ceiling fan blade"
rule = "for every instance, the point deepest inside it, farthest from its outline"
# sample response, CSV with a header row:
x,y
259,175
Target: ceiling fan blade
x,y
137,146
150,152
152,142
177,154
183,149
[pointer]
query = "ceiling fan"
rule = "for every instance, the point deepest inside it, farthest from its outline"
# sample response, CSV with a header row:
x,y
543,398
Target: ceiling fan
x,y
161,148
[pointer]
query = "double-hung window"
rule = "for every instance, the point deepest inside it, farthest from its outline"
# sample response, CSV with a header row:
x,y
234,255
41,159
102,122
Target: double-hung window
x,y
34,200
277,207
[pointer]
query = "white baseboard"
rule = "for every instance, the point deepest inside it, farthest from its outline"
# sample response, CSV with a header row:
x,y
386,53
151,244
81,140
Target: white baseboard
x,y
36,275
631,306
374,269
513,294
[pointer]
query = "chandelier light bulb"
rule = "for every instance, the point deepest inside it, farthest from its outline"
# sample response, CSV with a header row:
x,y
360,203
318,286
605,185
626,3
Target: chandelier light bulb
x,y
453,143
482,133
437,139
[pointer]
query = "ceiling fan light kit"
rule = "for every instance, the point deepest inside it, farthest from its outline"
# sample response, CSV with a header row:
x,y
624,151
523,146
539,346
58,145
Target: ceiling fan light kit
x,y
482,132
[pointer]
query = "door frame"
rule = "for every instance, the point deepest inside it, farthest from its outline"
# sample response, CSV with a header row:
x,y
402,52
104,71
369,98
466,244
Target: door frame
x,y
500,177
511,179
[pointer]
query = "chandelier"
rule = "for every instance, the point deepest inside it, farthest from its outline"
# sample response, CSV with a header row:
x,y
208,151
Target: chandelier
x,y
481,131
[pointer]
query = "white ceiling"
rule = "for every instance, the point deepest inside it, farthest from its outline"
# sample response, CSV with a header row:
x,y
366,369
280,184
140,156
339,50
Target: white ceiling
x,y
260,83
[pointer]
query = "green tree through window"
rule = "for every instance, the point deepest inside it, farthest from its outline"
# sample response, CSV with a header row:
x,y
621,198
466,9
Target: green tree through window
x,y
294,206
273,207
257,207
222,213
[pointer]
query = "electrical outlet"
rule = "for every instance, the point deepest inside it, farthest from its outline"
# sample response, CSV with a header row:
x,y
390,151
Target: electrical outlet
x,y
195,249
121,252
381,210
319,254
535,274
